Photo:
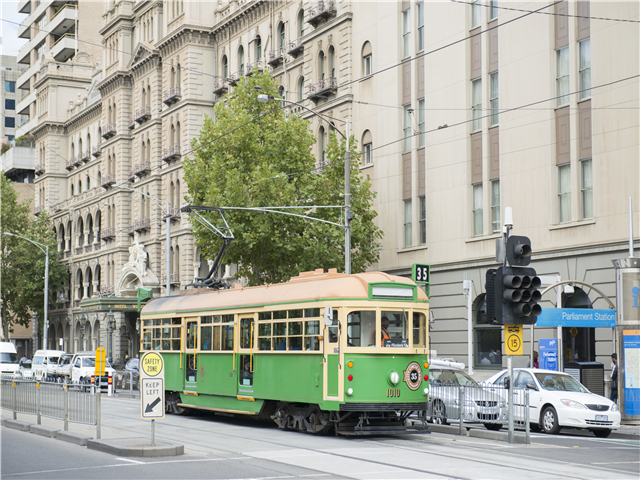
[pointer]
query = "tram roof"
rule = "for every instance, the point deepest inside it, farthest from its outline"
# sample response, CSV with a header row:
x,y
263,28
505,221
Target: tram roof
x,y
308,286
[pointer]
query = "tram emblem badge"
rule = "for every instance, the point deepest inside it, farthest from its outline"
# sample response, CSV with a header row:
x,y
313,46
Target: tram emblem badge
x,y
413,376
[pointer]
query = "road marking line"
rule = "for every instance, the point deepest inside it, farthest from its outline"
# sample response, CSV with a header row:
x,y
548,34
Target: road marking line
x,y
129,460
612,463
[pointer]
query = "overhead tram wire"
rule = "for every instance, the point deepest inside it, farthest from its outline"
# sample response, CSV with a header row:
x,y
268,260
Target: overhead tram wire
x,y
545,13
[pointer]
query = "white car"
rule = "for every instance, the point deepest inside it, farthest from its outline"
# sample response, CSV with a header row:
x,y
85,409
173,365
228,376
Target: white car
x,y
83,365
557,400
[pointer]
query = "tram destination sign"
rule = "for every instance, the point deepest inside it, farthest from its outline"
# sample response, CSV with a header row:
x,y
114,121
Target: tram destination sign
x,y
152,386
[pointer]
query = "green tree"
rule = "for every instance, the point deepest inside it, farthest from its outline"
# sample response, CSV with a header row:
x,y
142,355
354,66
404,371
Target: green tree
x,y
23,264
256,155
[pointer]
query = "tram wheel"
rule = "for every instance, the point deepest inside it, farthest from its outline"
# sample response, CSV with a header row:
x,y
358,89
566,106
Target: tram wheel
x,y
281,417
318,423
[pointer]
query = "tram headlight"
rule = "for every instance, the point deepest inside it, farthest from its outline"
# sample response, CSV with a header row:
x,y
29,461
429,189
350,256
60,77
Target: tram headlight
x,y
394,377
349,391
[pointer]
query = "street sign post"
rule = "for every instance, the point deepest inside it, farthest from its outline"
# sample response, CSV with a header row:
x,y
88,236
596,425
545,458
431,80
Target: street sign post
x,y
152,389
513,339
101,361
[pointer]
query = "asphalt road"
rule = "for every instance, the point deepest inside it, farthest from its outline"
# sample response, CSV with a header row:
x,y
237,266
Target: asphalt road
x,y
234,448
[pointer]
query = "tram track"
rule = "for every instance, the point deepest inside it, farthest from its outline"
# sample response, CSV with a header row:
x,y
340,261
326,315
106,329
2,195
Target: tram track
x,y
482,449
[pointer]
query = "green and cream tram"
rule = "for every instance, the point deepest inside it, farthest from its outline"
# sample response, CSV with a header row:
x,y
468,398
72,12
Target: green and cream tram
x,y
310,353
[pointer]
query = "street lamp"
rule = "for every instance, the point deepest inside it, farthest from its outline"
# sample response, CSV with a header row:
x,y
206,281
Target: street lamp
x,y
83,319
348,214
168,229
45,250
111,323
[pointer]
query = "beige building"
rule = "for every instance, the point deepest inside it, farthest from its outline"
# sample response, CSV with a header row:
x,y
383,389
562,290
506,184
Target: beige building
x,y
460,110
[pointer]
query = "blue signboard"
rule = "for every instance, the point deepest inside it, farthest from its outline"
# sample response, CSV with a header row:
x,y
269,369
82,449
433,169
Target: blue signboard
x,y
576,317
631,351
548,353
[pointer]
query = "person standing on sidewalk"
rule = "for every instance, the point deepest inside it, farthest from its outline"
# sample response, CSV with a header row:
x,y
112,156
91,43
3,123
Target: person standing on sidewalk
x,y
614,378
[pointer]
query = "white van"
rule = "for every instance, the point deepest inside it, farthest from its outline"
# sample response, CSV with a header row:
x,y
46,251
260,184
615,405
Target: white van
x,y
45,363
8,359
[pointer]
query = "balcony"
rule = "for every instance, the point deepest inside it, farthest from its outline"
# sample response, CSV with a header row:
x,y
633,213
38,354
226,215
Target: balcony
x,y
174,215
64,47
171,96
142,168
26,127
79,250
174,279
131,230
39,169
69,165
108,233
88,249
96,151
63,20
275,57
295,48
106,290
24,6
19,158
131,177
85,156
108,180
171,153
322,88
96,247
109,131
22,108
24,79
324,10
132,124
142,224
38,210
77,160
143,114
219,87
259,65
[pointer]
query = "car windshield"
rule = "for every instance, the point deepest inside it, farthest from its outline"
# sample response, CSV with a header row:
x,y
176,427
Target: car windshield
x,y
451,378
558,382
7,357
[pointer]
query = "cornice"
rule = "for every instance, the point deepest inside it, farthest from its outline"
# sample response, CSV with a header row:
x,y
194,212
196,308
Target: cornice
x,y
238,16
48,128
117,79
87,115
178,38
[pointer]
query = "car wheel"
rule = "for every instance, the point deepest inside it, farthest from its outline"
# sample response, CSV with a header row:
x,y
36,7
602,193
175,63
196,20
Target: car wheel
x,y
600,433
439,416
550,421
493,426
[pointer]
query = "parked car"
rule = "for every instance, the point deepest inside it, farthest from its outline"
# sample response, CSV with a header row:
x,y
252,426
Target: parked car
x,y
127,374
63,369
558,400
83,365
478,404
25,368
45,363
8,359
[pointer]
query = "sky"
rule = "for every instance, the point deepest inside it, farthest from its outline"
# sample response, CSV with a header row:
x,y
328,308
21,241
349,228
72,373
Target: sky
x,y
9,31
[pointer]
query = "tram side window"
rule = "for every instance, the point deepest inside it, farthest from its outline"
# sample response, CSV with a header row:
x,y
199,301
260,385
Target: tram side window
x,y
398,329
298,334
246,332
206,333
161,334
419,330
333,329
361,327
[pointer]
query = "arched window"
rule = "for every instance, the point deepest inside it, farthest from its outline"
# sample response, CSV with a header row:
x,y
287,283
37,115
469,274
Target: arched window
x,y
281,93
173,77
80,146
88,183
258,49
172,137
488,337
321,145
148,95
178,133
171,193
332,62
142,151
99,135
99,178
178,200
176,268
89,143
367,148
321,64
300,23
148,150
241,59
281,34
73,150
143,208
301,89
72,194
79,187
80,232
178,76
225,67
367,59
80,290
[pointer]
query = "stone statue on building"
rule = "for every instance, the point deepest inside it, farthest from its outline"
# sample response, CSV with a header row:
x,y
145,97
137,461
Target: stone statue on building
x,y
138,257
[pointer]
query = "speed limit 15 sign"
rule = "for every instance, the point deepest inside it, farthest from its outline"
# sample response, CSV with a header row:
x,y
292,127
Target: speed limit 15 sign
x,y
421,273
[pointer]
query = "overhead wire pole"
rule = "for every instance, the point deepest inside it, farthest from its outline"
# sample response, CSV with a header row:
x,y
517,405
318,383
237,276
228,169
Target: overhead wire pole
x,y
45,250
348,215
168,230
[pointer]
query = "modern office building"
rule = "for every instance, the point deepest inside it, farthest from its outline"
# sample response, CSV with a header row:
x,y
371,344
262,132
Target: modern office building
x,y
9,73
460,109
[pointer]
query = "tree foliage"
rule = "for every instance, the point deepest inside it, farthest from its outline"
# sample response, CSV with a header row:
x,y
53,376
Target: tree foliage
x,y
23,264
256,155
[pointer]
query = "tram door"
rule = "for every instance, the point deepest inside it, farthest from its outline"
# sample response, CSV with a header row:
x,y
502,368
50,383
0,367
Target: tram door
x,y
190,356
245,378
332,356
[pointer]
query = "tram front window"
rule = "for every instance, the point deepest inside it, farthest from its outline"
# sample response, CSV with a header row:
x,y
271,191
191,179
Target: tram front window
x,y
361,326
397,333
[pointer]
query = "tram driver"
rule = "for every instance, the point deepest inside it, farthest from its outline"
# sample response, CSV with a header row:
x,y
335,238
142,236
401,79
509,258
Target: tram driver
x,y
384,335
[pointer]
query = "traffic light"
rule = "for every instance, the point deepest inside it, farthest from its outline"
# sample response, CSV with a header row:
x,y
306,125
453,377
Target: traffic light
x,y
518,251
512,296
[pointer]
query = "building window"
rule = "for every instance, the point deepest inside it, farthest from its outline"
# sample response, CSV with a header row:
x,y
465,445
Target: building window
x,y
421,122
41,49
423,219
9,122
477,209
408,226
258,49
9,87
9,104
585,68
367,65
300,23
281,34
241,60
587,188
476,103
562,76
495,206
564,192
367,153
475,13
406,127
493,9
493,100
488,337
225,67
420,7
406,33
321,145
301,89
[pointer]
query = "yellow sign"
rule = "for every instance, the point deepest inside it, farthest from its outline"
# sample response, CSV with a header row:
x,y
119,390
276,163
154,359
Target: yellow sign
x,y
513,339
573,331
101,361
152,364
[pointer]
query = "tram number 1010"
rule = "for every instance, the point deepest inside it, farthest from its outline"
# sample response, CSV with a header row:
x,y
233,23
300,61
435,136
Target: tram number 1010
x,y
393,392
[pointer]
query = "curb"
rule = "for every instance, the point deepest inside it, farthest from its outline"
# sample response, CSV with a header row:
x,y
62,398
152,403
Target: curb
x,y
17,424
449,429
499,436
135,447
73,438
44,431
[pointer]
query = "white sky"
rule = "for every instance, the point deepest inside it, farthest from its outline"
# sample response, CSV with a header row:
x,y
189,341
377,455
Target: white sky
x,y
9,31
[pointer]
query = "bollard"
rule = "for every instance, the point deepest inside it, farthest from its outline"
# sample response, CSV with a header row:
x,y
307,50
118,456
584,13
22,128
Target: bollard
x,y
14,387
526,416
110,386
510,394
38,404
98,422
460,406
66,409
